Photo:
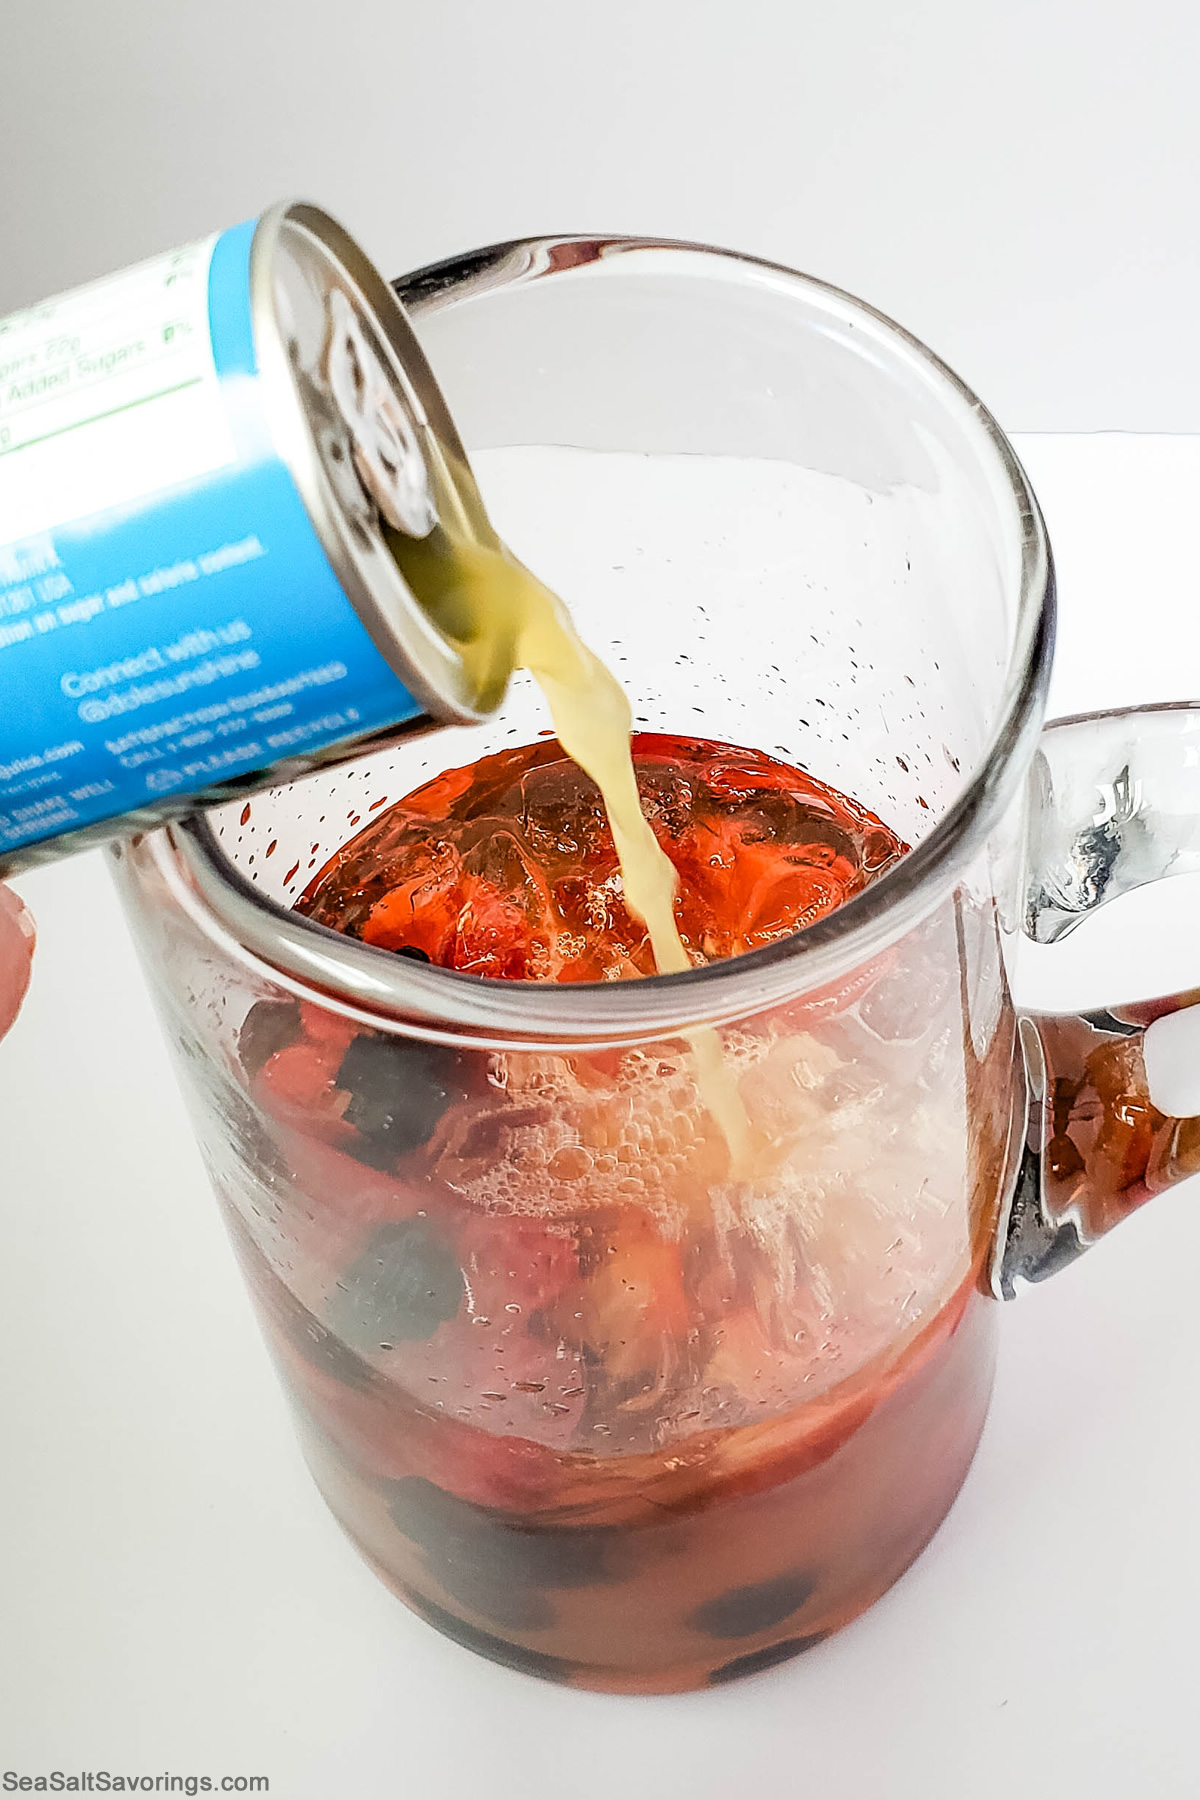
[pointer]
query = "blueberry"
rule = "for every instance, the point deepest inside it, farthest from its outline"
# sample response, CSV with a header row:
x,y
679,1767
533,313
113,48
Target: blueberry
x,y
567,1556
430,1516
758,1660
521,1554
399,1088
742,1611
513,1656
484,1591
270,1025
479,1585
402,1286
496,1563
461,1554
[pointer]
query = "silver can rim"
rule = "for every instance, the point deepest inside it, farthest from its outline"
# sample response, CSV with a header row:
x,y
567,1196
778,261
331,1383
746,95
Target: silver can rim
x,y
425,661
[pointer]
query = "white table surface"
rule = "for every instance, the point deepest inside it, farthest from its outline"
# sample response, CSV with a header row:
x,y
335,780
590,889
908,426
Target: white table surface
x,y
174,1598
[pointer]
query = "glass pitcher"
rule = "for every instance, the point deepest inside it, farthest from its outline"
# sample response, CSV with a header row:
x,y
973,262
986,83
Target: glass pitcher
x,y
588,1402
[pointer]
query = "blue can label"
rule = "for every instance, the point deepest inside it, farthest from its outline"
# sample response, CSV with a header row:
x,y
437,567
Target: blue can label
x,y
168,617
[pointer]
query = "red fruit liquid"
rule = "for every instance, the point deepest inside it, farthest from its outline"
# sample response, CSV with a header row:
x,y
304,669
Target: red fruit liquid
x,y
588,1402
508,869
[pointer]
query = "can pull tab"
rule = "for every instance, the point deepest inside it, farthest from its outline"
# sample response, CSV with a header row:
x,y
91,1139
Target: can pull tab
x,y
387,450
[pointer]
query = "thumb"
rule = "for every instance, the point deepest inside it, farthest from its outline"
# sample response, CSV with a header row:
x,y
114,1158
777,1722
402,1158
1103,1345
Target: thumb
x,y
16,949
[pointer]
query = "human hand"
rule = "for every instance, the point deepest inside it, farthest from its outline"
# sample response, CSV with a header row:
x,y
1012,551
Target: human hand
x,y
16,952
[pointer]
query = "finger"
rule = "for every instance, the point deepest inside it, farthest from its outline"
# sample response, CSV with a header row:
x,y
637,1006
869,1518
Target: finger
x,y
17,935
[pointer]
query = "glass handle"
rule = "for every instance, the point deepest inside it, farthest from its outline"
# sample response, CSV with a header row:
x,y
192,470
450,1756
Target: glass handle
x,y
1114,1096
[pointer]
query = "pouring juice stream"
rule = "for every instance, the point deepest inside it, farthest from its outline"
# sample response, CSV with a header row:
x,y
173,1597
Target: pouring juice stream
x,y
500,617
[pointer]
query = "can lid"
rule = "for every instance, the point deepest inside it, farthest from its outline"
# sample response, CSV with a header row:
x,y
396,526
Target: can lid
x,y
360,421
383,431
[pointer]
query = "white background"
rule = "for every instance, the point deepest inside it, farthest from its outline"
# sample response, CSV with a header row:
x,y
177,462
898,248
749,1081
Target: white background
x,y
1015,182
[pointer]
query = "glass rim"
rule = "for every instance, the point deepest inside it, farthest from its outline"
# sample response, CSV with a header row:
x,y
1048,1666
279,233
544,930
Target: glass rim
x,y
371,983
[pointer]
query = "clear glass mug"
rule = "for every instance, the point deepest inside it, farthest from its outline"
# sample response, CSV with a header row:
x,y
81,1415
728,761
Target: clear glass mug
x,y
589,1404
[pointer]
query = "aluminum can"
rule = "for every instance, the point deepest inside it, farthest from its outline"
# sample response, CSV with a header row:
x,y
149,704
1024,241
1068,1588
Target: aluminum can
x,y
200,461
